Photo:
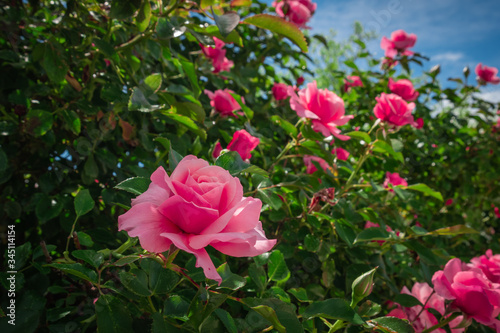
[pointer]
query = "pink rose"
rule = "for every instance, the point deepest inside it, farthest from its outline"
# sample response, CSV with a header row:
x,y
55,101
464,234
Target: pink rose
x,y
422,320
342,154
352,81
489,264
300,80
280,91
217,150
223,102
497,212
311,168
471,292
404,89
218,56
487,74
323,107
295,11
393,109
243,143
448,202
399,43
196,206
418,124
394,179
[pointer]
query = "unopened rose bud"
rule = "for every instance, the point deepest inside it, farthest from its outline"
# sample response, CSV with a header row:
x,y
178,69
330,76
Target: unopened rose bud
x,y
362,286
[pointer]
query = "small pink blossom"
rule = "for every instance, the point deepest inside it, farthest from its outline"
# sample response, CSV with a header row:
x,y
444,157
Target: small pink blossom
x,y
418,124
404,89
310,167
394,110
223,102
497,212
296,11
394,179
400,42
448,202
218,56
217,150
341,153
243,143
300,80
280,91
352,81
487,74
323,107
423,319
489,264
196,206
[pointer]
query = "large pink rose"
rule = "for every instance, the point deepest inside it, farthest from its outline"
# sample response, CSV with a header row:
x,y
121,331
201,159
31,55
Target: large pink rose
x,y
489,264
280,91
404,89
394,110
223,102
218,56
352,81
310,167
422,320
196,206
323,107
471,292
487,74
399,43
296,11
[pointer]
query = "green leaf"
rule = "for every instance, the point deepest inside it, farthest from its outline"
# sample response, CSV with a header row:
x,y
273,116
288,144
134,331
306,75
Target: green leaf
x,y
454,230
22,255
151,84
173,159
191,110
186,121
84,239
126,260
106,48
227,320
370,234
300,294
112,315
333,308
226,22
276,267
360,135
76,270
135,185
160,325
89,256
380,146
392,324
38,122
176,307
53,61
136,281
72,120
345,233
425,190
143,16
270,198
83,203
124,9
161,280
190,71
268,313
48,208
166,29
232,162
230,280
280,26
407,300
285,125
258,276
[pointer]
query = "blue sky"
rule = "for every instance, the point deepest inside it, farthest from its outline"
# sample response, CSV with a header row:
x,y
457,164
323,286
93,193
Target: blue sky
x,y
453,33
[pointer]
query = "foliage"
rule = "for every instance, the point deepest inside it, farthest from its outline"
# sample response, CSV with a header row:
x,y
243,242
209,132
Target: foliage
x,y
97,95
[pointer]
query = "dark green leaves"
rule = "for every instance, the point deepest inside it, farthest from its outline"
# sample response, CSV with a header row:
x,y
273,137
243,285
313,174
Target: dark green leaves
x,y
232,162
143,16
333,309
53,61
83,202
77,270
124,9
112,315
276,267
136,185
39,122
392,324
425,190
280,26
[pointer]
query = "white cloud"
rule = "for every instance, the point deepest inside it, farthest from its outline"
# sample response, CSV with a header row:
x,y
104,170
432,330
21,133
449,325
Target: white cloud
x,y
492,96
448,56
